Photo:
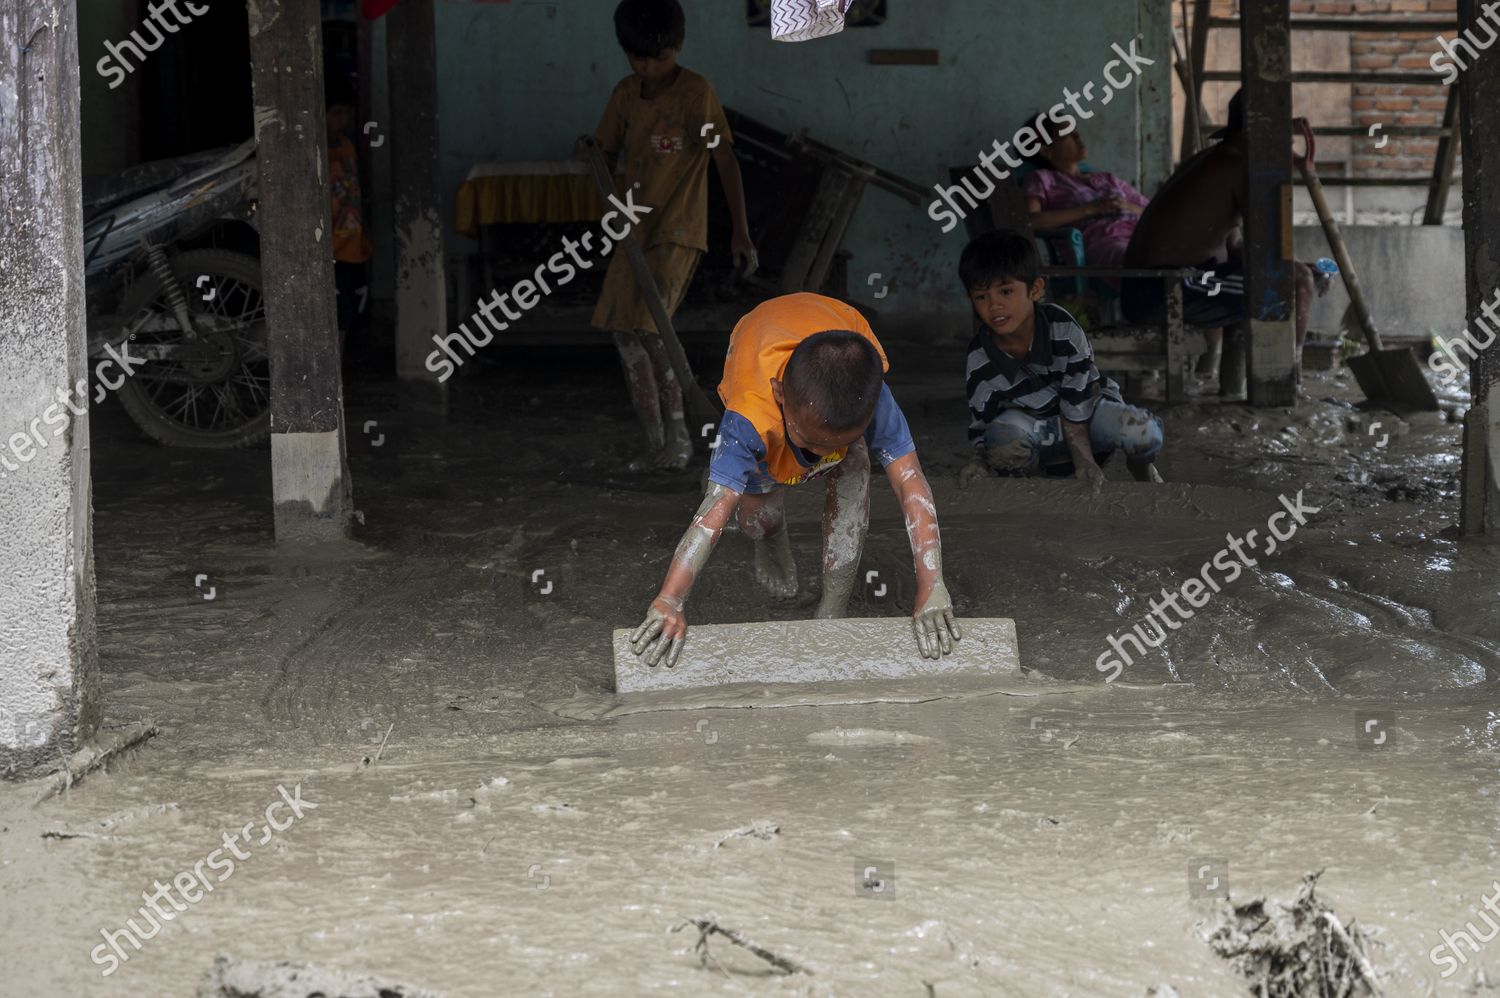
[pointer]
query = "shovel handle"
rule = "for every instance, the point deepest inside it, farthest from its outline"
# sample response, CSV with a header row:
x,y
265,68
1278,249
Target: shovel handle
x,y
1308,168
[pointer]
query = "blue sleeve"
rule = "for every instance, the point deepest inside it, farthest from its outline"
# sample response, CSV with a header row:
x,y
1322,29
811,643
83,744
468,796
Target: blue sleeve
x,y
888,437
740,457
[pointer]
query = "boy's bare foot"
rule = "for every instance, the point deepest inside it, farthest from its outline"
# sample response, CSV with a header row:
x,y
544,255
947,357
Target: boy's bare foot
x,y
1144,471
644,461
774,567
676,453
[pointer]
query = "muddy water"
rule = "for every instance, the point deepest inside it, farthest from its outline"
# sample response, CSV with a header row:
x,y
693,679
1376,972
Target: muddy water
x,y
1032,845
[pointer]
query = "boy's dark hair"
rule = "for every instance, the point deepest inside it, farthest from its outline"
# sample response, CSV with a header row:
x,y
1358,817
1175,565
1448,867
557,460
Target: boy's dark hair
x,y
838,374
1002,255
647,28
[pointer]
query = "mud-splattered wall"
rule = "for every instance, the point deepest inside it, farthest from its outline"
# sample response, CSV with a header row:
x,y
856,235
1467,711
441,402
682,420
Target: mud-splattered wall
x,y
520,81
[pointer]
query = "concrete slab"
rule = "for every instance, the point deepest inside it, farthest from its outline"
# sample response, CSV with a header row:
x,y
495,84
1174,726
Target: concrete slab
x,y
814,651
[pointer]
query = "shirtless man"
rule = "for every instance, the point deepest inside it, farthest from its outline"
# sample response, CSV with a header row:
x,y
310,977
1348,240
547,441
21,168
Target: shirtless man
x,y
1195,221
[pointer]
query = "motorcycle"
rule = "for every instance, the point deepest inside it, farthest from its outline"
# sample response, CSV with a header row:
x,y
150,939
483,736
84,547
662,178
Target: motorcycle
x,y
194,318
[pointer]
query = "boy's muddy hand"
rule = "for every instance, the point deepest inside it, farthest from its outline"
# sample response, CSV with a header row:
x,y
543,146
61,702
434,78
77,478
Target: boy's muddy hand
x,y
661,635
1092,476
973,472
935,626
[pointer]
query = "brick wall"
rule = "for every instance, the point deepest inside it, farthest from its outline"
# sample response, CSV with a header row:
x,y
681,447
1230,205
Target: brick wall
x,y
1372,103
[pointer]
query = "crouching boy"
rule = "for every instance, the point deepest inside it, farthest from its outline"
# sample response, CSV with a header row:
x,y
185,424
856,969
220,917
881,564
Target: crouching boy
x,y
1036,400
805,393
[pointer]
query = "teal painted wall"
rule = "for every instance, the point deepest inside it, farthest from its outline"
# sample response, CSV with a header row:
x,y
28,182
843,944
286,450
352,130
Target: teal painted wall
x,y
520,80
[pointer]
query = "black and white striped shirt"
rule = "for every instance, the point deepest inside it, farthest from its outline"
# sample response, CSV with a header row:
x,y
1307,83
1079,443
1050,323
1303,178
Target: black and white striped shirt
x,y
1057,375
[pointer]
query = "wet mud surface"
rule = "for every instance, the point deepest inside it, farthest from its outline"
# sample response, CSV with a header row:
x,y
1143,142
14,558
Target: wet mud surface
x,y
1032,844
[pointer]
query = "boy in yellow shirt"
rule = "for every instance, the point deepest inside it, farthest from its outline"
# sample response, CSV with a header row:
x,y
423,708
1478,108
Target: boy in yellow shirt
x,y
666,122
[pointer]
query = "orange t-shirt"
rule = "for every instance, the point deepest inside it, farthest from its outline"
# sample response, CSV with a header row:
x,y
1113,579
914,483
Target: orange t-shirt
x,y
754,454
349,242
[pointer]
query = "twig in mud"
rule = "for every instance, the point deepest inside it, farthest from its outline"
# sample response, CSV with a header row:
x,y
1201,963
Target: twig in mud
x,y
1356,953
96,756
708,925
758,829
366,762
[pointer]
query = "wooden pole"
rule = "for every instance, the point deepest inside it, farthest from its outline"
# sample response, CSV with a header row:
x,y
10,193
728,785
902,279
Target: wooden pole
x,y
416,172
1480,113
49,677
309,468
1270,297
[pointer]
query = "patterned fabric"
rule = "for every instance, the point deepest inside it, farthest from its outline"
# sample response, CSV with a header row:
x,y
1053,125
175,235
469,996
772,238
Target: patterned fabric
x,y
754,454
804,20
666,144
1057,375
349,242
1104,236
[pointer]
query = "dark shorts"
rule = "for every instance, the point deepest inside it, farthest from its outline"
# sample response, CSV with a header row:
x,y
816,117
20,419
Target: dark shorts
x,y
348,284
1206,301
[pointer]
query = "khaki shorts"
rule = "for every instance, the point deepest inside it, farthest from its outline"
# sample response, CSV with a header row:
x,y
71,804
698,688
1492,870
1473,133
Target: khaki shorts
x,y
623,309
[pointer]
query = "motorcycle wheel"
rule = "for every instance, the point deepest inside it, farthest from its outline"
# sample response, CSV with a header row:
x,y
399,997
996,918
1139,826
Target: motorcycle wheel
x,y
219,394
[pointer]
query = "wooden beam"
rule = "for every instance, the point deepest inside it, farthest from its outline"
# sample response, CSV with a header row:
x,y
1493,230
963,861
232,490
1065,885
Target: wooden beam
x,y
1198,57
1480,116
309,468
1266,54
1442,165
416,173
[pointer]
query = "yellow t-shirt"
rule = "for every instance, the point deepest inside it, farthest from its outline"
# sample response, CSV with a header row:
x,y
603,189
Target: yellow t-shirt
x,y
666,151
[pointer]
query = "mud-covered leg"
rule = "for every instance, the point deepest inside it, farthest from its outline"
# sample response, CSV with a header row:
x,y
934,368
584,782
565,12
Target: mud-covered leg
x,y
762,518
846,520
644,395
677,448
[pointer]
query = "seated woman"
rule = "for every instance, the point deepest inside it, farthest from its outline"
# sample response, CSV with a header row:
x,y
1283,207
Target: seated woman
x,y
1101,205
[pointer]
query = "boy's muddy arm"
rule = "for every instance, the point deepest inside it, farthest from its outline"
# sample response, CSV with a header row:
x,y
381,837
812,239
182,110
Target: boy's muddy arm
x,y
1077,436
661,634
933,620
740,243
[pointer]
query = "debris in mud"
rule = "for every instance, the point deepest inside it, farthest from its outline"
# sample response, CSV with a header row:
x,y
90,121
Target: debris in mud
x,y
98,755
365,761
231,978
758,829
708,925
1296,951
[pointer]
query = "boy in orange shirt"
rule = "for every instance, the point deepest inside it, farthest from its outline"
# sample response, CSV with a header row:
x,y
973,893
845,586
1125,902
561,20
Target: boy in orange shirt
x,y
666,122
351,247
805,394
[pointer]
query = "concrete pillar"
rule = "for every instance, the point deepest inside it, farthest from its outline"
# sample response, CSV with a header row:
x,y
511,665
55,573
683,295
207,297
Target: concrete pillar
x,y
1154,95
1270,295
309,465
421,292
1480,116
49,682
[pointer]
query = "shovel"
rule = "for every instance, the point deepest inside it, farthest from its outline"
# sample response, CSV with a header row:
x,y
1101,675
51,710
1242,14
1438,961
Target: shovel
x,y
1391,378
698,403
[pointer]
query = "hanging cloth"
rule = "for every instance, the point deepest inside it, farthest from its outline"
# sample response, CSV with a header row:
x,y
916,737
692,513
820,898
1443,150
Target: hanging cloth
x,y
373,10
804,20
